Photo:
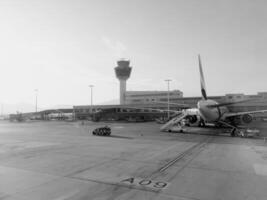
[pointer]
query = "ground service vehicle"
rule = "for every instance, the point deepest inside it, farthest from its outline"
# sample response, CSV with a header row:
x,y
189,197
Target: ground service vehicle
x,y
102,131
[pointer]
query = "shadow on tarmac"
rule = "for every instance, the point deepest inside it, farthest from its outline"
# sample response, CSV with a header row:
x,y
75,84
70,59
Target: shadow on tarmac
x,y
117,136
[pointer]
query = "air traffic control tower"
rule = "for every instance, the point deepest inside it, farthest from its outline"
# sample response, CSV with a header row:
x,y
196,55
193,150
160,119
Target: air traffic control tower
x,y
123,71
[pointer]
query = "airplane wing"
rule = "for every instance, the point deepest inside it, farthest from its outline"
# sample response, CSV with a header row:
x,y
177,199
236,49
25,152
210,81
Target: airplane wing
x,y
228,103
226,115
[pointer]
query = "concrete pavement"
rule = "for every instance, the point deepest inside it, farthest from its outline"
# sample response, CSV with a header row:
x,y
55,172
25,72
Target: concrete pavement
x,y
60,160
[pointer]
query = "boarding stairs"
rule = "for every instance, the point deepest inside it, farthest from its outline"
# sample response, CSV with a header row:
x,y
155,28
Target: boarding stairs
x,y
174,121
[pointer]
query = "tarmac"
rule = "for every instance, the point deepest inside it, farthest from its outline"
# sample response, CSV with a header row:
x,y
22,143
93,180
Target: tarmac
x,y
64,161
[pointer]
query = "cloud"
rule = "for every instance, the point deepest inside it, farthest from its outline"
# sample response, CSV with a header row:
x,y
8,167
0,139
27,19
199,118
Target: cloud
x,y
116,47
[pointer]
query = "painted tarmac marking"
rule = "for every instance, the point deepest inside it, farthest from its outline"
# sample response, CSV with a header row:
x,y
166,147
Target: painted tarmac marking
x,y
183,154
145,182
120,184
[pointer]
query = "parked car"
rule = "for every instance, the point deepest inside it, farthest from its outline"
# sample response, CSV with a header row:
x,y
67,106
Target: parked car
x,y
102,131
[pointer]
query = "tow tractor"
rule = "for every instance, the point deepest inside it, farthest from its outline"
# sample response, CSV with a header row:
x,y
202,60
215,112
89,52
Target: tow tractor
x,y
177,128
245,132
249,133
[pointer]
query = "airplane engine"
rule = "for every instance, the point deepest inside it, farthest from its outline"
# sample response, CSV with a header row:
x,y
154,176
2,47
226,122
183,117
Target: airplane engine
x,y
246,118
192,119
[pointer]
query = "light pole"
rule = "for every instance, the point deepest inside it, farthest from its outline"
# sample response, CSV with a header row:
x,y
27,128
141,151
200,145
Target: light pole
x,y
36,98
91,86
168,83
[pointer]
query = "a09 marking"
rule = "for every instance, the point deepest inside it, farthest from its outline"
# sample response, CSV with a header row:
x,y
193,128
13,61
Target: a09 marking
x,y
145,182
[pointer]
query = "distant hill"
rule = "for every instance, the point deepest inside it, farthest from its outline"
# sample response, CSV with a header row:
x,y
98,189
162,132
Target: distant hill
x,y
26,107
20,107
59,107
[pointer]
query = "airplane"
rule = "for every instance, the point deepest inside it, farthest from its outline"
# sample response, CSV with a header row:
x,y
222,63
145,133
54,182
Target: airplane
x,y
210,111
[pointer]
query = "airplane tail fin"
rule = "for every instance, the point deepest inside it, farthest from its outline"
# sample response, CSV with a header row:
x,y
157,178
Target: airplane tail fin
x,y
202,80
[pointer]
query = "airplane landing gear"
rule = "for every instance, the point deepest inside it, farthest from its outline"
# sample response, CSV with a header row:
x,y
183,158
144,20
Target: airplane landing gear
x,y
233,132
201,123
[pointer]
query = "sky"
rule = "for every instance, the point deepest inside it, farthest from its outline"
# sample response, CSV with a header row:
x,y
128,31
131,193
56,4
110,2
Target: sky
x,y
60,47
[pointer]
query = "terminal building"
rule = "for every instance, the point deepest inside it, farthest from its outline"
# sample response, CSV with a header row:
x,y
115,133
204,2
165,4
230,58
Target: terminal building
x,y
146,97
143,100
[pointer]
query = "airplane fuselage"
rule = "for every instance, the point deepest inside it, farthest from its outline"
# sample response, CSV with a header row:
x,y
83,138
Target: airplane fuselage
x,y
210,114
